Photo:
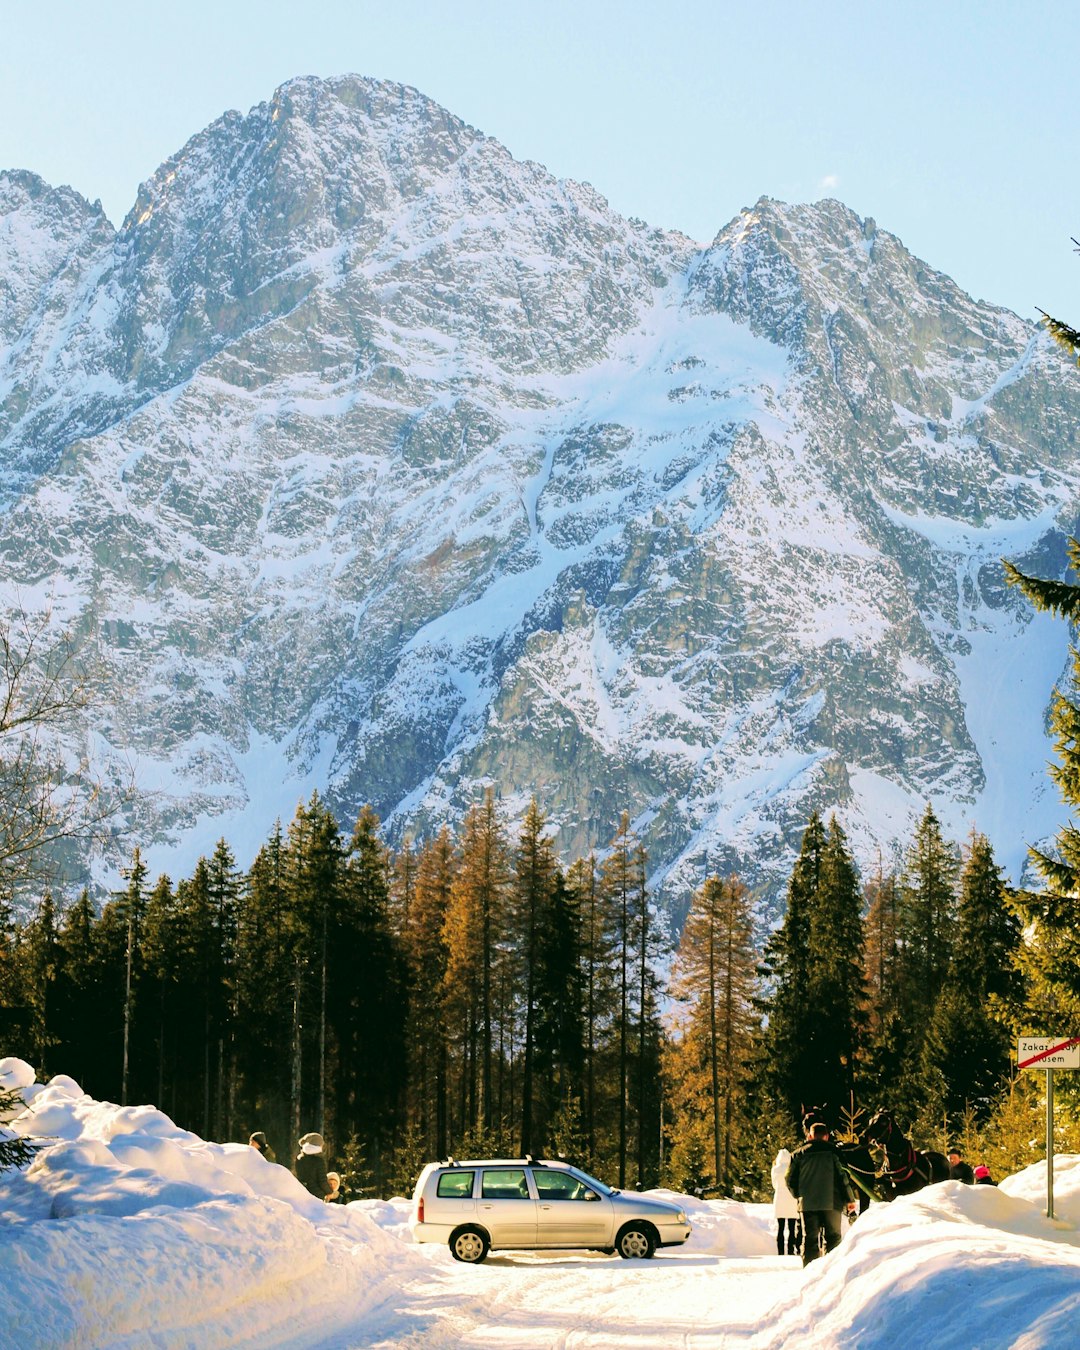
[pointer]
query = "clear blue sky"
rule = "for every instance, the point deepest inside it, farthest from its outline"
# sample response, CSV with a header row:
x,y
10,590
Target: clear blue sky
x,y
953,124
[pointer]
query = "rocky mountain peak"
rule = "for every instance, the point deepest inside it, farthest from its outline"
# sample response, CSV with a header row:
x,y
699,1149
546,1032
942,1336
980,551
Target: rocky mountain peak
x,y
365,457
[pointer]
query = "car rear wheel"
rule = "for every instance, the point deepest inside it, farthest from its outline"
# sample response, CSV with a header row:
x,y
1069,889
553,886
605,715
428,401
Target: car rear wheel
x,y
636,1241
470,1245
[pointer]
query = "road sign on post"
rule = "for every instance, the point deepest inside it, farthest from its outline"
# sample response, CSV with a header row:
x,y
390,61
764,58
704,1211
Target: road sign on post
x,y
1049,1053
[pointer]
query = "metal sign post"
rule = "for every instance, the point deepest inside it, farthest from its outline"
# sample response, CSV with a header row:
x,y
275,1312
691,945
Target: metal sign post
x,y
1049,1053
1049,1143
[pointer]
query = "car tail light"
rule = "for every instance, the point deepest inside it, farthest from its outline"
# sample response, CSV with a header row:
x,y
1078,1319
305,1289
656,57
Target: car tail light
x,y
420,1210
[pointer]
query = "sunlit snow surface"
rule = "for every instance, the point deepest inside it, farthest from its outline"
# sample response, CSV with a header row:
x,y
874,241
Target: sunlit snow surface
x,y
128,1232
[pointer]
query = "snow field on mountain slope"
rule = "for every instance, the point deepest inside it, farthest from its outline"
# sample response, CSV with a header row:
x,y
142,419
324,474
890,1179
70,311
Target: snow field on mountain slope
x,y
127,1231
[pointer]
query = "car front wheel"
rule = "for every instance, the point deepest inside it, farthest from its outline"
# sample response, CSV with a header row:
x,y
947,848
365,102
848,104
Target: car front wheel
x,y
636,1241
470,1245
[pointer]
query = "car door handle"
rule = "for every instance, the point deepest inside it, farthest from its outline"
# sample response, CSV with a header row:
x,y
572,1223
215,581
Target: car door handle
x,y
487,1206
545,1206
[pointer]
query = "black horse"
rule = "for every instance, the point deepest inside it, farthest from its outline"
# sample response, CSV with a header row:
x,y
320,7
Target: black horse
x,y
906,1169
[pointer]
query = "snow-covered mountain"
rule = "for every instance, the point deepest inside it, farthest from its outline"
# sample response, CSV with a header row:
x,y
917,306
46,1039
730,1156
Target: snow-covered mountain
x,y
365,457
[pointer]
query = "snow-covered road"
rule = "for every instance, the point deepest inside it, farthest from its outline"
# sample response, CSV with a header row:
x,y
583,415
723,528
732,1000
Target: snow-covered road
x,y
127,1232
572,1300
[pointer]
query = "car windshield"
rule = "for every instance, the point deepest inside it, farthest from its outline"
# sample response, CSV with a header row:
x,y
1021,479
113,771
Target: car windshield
x,y
592,1181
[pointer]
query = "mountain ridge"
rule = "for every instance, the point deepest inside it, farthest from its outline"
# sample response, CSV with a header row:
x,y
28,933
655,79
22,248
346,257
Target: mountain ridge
x,y
367,458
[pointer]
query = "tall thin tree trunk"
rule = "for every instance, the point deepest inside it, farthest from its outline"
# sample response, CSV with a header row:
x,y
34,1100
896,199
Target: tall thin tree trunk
x,y
297,1061
714,1052
127,1009
321,1110
641,1042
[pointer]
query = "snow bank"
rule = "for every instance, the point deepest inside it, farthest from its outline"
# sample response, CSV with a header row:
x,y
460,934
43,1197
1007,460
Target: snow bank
x,y
954,1267
127,1230
725,1227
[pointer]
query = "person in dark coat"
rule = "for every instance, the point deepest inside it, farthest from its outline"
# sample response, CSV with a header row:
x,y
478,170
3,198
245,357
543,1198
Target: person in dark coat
x,y
959,1170
311,1166
983,1177
258,1142
821,1186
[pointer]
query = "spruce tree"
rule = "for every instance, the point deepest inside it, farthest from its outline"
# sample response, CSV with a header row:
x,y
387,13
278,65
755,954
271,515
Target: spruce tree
x,y
596,926
161,957
530,915
1051,953
925,937
790,1067
268,942
368,982
966,1055
427,953
41,956
77,1002
836,1034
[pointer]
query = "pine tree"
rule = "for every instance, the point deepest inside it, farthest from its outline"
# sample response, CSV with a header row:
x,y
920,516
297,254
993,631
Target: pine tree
x,y
966,1055
131,904
313,863
596,927
714,976
472,932
426,952
41,963
77,1014
837,991
198,998
530,914
161,957
925,944
1051,953
790,1069
15,1149
268,945
621,882
368,998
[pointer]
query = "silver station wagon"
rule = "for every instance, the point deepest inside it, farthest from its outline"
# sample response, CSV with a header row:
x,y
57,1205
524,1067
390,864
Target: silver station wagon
x,y
531,1203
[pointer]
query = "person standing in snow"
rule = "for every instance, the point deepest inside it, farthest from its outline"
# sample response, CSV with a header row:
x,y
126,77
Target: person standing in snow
x,y
311,1166
785,1207
258,1142
818,1181
959,1170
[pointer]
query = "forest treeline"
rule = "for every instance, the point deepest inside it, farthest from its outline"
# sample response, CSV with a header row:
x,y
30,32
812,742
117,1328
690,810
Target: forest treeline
x,y
475,995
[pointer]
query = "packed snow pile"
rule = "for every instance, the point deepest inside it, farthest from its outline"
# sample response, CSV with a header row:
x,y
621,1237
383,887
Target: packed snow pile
x,y
953,1267
128,1231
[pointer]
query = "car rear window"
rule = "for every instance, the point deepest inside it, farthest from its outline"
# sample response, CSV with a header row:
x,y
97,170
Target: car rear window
x,y
506,1183
455,1185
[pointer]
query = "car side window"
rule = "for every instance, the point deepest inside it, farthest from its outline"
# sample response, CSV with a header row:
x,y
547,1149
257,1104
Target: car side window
x,y
505,1183
552,1185
455,1185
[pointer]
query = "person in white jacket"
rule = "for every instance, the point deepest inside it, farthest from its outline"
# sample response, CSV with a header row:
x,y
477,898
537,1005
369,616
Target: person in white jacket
x,y
785,1207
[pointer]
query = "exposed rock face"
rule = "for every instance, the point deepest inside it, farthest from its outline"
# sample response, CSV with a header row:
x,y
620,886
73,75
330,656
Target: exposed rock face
x,y
364,457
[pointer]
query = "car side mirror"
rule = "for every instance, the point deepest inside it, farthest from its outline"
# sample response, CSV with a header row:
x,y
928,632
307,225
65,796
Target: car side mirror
x,y
590,1195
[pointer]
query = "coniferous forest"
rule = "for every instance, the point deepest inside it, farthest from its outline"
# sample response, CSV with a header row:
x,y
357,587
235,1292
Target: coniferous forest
x,y
476,995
